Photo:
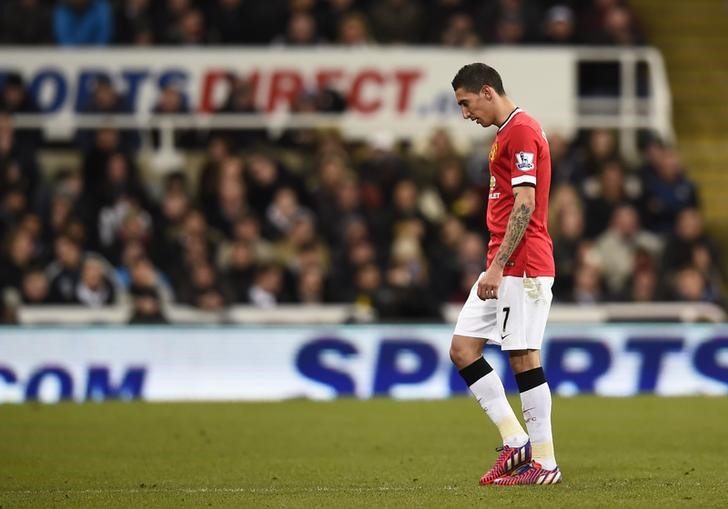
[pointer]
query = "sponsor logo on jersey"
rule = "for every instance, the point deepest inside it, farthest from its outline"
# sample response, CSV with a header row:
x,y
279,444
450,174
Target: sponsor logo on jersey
x,y
524,161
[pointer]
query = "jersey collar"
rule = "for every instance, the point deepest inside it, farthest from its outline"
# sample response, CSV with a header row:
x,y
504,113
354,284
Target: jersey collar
x,y
516,111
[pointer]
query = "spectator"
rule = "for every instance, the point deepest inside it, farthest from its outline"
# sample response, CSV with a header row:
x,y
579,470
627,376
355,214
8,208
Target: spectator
x,y
171,101
568,236
83,22
331,174
240,269
105,99
18,165
311,287
619,28
15,96
189,29
267,290
438,15
397,21
248,229
146,307
64,271
460,31
229,202
18,256
367,286
229,23
63,206
612,189
145,275
559,26
562,160
206,291
689,245
170,17
133,19
643,286
617,248
25,22
283,213
121,198
588,285
96,286
445,269
687,236
509,21
471,263
689,285
331,14
301,31
35,288
407,294
264,177
667,191
354,31
511,29
450,184
601,147
174,207
218,150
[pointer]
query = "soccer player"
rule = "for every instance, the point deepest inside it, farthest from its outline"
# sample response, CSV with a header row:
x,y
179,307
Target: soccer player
x,y
509,304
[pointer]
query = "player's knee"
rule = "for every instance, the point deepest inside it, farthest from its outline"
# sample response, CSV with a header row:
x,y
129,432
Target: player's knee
x,y
462,354
524,360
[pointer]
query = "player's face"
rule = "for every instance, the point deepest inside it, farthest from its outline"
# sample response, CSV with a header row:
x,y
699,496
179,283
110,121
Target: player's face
x,y
476,107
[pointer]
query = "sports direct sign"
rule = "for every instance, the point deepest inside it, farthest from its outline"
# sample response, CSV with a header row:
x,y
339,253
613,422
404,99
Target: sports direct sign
x,y
404,91
275,363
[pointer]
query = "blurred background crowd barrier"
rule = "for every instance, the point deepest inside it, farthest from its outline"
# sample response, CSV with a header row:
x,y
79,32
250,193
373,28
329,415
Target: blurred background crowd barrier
x,y
303,161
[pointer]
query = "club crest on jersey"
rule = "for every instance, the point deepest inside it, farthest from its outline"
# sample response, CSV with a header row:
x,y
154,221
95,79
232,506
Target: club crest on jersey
x,y
524,161
493,151
492,182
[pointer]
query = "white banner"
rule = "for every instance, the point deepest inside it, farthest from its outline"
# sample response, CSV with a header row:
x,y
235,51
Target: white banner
x,y
274,363
396,90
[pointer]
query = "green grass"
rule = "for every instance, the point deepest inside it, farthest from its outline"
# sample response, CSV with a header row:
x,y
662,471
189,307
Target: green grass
x,y
636,452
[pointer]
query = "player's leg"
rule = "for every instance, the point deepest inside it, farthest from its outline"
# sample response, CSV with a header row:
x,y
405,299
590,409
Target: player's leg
x,y
536,404
529,321
477,321
536,401
485,384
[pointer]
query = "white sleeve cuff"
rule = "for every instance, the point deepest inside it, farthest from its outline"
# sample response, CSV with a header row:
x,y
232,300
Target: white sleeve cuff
x,y
523,179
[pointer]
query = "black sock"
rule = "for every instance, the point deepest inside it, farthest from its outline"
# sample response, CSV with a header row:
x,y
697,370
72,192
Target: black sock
x,y
530,379
475,371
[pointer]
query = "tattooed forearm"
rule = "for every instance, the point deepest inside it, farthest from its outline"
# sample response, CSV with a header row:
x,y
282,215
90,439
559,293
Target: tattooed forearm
x,y
517,224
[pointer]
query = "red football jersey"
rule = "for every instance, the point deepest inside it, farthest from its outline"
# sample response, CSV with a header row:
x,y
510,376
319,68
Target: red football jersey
x,y
520,157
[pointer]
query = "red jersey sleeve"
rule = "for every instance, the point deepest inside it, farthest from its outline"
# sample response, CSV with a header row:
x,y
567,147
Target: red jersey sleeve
x,y
524,147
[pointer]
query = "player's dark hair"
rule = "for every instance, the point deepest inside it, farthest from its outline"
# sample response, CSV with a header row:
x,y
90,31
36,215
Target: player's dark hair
x,y
473,77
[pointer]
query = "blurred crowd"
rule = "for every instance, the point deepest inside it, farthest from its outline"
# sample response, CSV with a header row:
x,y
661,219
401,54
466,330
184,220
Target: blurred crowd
x,y
311,217
454,23
316,218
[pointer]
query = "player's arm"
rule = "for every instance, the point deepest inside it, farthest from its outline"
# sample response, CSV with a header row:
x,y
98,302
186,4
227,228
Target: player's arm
x,y
524,203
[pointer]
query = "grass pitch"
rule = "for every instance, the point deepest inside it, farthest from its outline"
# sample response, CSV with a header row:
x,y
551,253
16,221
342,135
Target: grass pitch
x,y
637,452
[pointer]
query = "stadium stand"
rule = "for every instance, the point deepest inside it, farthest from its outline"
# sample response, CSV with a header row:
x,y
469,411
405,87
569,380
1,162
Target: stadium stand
x,y
312,217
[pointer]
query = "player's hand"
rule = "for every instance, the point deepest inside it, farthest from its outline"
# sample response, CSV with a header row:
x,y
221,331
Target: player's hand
x,y
489,282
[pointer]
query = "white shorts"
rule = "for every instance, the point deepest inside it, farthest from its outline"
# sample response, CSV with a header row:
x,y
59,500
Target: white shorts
x,y
516,320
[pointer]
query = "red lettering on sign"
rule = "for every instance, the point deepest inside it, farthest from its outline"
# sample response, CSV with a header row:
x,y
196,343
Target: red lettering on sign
x,y
356,95
209,81
285,86
325,77
406,81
